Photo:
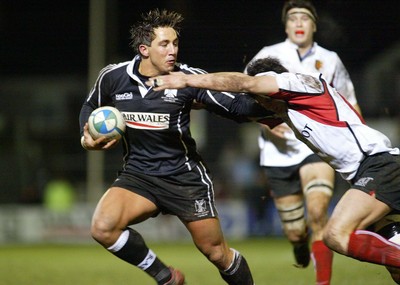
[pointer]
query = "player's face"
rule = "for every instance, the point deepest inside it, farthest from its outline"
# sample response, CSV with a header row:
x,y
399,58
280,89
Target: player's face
x,y
300,27
162,53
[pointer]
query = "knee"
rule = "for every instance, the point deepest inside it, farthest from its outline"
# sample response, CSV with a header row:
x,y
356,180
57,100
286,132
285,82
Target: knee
x,y
317,216
295,233
218,255
293,221
103,231
329,235
335,239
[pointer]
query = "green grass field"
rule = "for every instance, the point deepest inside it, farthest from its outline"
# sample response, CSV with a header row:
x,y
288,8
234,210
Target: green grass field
x,y
270,259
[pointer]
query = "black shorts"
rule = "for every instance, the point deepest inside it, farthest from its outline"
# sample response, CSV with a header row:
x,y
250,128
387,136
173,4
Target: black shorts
x,y
379,175
189,195
284,181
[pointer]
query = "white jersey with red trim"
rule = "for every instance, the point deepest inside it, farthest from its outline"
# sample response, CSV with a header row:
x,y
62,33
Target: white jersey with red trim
x,y
291,151
327,122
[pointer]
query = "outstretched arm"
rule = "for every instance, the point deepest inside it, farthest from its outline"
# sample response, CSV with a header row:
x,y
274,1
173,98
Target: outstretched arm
x,y
221,81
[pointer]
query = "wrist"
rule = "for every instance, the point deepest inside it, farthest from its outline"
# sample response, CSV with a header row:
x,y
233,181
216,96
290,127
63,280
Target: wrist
x,y
83,143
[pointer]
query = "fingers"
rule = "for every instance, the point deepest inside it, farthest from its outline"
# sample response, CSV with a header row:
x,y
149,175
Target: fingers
x,y
173,80
90,144
156,82
110,144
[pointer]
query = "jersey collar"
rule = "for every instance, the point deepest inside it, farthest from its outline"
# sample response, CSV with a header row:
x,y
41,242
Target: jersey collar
x,y
312,51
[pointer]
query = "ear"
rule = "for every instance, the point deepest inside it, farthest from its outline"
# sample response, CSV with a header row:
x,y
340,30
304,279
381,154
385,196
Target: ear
x,y
144,50
315,28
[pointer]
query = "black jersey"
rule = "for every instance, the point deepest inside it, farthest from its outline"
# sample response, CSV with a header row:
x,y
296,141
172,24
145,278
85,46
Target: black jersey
x,y
157,140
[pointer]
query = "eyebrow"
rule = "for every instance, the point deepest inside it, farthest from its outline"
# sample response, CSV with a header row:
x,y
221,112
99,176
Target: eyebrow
x,y
302,12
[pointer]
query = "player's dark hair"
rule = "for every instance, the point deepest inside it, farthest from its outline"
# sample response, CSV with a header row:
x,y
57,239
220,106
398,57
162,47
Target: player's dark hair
x,y
265,64
306,4
143,31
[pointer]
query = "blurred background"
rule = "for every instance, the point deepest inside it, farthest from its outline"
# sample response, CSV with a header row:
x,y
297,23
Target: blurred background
x,y
51,52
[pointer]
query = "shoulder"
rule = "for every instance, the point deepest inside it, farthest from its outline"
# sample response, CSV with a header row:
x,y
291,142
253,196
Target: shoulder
x,y
326,52
114,68
272,49
298,82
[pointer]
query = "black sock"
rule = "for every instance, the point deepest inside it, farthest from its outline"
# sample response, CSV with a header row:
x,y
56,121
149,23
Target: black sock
x,y
239,272
132,248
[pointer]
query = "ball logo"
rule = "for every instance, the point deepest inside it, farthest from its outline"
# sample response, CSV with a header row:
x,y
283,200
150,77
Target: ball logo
x,y
107,122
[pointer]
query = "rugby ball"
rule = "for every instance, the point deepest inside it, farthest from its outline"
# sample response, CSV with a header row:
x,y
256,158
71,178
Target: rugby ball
x,y
106,122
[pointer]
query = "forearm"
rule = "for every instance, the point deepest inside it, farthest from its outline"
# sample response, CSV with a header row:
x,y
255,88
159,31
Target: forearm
x,y
221,81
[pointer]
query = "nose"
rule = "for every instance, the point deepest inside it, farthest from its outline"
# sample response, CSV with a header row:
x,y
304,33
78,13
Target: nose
x,y
299,22
172,49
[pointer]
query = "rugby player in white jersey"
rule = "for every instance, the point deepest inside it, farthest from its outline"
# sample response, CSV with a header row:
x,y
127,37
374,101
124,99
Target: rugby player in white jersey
x,y
297,178
328,124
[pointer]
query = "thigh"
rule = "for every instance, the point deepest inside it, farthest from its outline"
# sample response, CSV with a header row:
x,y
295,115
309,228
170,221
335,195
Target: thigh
x,y
188,195
317,171
119,208
356,210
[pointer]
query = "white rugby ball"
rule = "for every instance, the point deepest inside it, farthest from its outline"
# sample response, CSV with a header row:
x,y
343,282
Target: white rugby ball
x,y
106,122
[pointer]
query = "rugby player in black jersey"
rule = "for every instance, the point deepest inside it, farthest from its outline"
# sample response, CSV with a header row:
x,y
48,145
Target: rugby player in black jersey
x,y
162,170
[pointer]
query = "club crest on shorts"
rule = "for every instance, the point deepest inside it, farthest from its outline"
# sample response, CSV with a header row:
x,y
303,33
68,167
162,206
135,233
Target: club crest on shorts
x,y
200,207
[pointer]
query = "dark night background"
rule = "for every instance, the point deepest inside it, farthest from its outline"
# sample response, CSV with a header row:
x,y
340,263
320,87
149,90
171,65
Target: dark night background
x,y
45,43
47,37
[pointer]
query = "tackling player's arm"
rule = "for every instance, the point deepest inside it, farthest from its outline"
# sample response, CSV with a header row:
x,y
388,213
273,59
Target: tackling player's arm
x,y
220,81
262,88
259,88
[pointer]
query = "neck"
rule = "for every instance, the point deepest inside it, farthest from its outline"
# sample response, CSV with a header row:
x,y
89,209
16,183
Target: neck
x,y
304,49
147,69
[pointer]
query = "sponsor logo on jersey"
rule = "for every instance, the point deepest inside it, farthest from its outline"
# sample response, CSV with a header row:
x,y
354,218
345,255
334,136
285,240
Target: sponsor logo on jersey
x,y
124,96
170,95
146,121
